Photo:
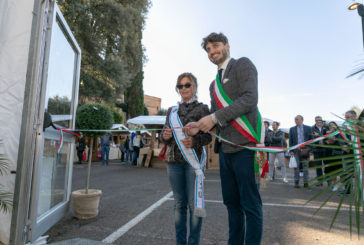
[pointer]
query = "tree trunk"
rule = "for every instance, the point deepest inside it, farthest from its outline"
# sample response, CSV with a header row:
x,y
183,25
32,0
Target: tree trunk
x,y
89,165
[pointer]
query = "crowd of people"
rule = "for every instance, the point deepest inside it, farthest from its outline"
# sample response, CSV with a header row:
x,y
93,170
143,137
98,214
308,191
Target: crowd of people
x,y
129,148
302,133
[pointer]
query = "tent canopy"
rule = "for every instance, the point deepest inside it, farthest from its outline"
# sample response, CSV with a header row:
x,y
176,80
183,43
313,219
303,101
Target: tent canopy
x,y
148,120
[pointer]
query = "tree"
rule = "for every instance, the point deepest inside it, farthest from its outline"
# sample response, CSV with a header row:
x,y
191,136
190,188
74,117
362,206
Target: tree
x,y
135,96
93,116
109,33
162,112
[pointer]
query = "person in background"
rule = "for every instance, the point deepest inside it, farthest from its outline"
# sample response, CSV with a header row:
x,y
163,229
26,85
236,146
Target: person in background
x,y
137,144
297,135
127,150
180,173
318,152
350,116
332,141
131,148
277,139
105,148
267,131
81,146
122,147
267,142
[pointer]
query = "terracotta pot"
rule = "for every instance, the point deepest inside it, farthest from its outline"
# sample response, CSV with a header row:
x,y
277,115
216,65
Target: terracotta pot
x,y
86,206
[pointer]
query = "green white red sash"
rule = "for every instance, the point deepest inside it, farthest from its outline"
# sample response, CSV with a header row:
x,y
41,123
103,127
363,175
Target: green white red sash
x,y
191,157
242,125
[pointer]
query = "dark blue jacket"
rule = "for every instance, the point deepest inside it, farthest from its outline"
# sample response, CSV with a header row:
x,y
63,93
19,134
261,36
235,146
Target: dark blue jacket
x,y
293,139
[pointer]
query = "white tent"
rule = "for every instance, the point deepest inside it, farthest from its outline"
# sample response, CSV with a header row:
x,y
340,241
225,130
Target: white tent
x,y
15,31
148,120
31,34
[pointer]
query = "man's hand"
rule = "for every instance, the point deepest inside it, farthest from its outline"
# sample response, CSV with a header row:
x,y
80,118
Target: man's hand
x,y
188,142
205,123
167,134
191,128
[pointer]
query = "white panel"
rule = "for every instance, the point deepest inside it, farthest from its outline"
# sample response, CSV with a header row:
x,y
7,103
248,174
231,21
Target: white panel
x,y
15,30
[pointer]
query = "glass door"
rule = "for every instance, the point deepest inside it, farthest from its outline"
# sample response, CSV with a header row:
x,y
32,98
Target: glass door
x,y
51,184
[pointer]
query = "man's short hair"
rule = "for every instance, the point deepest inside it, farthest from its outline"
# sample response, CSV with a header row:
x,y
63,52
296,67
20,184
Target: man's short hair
x,y
266,122
300,117
318,117
352,112
276,123
214,37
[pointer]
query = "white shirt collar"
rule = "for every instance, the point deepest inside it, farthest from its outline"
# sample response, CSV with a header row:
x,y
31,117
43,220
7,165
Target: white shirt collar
x,y
224,65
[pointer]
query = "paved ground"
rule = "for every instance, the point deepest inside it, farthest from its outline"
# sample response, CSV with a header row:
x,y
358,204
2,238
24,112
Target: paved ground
x,y
129,191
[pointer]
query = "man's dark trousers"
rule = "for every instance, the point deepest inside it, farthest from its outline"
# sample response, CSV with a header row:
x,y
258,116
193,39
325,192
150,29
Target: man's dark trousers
x,y
241,197
317,155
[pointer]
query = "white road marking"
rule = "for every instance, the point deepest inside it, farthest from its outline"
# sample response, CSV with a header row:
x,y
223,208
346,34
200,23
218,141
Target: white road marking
x,y
125,228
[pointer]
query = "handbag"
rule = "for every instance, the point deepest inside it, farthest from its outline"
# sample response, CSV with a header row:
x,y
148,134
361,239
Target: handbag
x,y
304,152
84,156
99,154
292,162
162,154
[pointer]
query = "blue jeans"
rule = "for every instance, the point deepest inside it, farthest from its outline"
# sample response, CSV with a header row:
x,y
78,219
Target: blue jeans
x,y
241,197
182,179
129,155
135,155
105,154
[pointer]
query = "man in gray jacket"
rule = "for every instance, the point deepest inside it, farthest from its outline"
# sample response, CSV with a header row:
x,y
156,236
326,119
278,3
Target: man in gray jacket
x,y
238,80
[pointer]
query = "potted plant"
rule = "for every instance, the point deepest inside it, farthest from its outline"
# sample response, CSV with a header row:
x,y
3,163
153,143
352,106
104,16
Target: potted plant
x,y
93,116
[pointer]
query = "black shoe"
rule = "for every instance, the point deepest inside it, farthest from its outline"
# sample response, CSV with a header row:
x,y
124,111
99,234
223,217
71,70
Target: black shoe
x,y
296,185
305,185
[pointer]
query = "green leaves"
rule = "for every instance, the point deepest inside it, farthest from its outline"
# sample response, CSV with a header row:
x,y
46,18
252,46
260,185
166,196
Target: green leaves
x,y
351,176
6,198
109,33
94,116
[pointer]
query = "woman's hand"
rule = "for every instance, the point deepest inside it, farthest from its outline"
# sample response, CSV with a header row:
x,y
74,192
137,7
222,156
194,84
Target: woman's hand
x,y
188,142
191,128
167,134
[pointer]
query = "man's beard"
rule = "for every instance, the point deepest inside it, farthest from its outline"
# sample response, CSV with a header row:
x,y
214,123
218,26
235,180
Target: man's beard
x,y
222,59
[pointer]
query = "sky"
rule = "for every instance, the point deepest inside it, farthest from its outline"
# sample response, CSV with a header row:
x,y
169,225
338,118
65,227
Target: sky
x,y
303,51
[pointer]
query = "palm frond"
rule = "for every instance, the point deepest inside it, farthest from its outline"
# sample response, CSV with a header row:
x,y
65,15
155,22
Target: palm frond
x,y
350,175
6,201
6,198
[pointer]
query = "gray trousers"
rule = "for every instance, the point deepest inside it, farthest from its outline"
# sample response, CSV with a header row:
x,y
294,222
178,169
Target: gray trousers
x,y
272,158
300,162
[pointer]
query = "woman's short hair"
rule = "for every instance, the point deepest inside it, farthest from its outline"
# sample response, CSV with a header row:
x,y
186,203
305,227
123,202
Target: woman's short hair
x,y
191,77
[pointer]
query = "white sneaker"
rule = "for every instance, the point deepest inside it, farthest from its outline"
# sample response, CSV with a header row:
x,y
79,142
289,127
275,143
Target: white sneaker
x,y
335,188
270,179
285,180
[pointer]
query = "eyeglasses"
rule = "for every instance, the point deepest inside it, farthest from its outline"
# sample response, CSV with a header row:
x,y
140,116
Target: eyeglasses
x,y
180,86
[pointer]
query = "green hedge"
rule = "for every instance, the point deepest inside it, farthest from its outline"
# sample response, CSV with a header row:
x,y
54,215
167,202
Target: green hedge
x,y
94,116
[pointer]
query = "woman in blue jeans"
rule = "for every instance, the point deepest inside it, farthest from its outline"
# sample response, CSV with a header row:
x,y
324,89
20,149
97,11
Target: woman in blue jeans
x,y
181,175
